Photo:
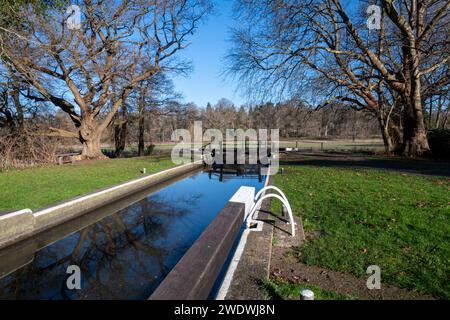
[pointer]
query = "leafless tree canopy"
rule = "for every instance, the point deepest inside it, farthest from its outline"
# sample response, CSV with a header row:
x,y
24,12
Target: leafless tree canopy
x,y
321,49
89,72
311,68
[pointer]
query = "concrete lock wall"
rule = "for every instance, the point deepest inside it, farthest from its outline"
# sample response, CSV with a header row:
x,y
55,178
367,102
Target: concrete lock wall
x,y
14,225
21,224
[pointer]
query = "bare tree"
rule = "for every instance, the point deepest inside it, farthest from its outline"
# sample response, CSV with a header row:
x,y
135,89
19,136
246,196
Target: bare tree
x,y
418,22
152,99
121,44
300,46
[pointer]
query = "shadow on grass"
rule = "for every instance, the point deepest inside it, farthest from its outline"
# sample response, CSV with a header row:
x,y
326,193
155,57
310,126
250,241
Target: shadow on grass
x,y
424,167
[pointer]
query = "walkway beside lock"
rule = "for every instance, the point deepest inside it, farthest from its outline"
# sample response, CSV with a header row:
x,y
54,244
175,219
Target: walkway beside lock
x,y
254,265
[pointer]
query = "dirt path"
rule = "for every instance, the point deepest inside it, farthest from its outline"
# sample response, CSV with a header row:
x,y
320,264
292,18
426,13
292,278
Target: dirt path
x,y
287,267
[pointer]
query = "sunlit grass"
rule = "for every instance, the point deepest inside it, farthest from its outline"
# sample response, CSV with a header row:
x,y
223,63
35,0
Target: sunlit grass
x,y
398,221
38,187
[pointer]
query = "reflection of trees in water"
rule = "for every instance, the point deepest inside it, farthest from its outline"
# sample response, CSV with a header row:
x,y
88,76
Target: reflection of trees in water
x,y
117,256
166,208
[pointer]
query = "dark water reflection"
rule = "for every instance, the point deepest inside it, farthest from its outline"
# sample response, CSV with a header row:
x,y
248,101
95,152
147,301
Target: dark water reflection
x,y
124,254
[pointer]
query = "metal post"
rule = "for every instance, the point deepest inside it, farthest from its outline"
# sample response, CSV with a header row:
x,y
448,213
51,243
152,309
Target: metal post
x,y
283,211
306,295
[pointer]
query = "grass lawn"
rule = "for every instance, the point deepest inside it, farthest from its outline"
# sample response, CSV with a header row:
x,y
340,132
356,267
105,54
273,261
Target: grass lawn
x,y
38,187
277,289
398,221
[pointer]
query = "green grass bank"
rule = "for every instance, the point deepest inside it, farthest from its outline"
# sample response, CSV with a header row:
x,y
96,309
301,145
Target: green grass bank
x,y
39,187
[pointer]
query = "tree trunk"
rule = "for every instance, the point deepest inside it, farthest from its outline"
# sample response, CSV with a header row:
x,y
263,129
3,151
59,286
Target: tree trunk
x,y
396,134
387,141
141,142
120,135
417,139
430,113
438,114
91,148
90,137
120,131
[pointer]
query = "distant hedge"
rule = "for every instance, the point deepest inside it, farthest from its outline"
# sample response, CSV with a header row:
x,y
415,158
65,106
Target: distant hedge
x,y
439,140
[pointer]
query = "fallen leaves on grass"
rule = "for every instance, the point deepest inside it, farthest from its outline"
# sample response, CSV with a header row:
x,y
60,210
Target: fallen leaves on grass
x,y
420,204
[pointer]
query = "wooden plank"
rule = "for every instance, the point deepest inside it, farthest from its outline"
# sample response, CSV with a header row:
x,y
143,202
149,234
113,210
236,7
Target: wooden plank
x,y
68,154
66,158
194,275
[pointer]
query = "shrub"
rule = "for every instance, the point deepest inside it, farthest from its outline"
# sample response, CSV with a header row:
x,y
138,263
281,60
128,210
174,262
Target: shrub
x,y
22,150
109,153
149,149
439,140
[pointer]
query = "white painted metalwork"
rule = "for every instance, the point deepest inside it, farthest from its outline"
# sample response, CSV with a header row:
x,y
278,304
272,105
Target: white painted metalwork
x,y
266,188
281,196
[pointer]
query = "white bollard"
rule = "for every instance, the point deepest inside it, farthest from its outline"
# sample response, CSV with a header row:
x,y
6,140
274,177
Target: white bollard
x,y
306,295
144,171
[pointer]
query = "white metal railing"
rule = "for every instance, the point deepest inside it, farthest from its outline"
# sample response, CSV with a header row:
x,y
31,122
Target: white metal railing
x,y
259,198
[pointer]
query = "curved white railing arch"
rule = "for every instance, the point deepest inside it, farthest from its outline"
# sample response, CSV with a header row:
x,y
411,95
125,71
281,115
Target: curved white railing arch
x,y
283,200
270,188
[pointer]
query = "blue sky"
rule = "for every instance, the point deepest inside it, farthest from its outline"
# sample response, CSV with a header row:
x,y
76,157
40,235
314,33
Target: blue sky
x,y
208,48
